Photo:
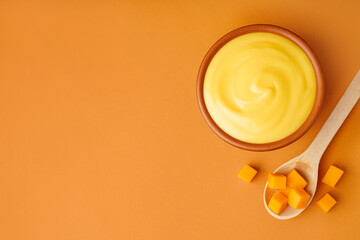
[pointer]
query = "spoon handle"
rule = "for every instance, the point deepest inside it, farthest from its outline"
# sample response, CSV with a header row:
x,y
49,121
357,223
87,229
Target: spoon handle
x,y
335,120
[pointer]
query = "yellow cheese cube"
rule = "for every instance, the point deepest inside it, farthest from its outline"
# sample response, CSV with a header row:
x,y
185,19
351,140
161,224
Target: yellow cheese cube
x,y
326,202
298,198
332,176
285,191
295,180
276,181
247,173
277,203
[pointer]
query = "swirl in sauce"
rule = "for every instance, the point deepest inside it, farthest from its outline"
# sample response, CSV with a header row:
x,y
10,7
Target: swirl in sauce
x,y
260,87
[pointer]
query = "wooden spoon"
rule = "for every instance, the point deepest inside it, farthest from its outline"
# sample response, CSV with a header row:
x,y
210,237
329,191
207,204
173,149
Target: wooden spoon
x,y
307,163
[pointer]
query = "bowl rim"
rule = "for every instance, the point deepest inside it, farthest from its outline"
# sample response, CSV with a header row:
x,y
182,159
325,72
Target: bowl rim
x,y
320,89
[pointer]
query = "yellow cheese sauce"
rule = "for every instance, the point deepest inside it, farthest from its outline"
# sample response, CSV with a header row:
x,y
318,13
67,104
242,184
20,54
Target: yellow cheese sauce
x,y
260,87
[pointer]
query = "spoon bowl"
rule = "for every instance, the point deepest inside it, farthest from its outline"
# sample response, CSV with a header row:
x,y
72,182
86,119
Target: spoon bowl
x,y
309,172
307,163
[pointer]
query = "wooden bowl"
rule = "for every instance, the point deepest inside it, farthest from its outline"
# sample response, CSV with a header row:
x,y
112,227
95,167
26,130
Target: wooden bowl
x,y
319,87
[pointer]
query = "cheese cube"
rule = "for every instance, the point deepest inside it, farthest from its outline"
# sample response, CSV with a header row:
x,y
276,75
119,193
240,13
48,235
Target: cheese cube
x,y
276,181
285,191
298,198
295,180
247,173
332,176
277,203
326,202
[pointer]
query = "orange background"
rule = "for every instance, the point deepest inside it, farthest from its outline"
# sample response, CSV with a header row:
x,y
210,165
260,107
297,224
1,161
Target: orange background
x,y
101,136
